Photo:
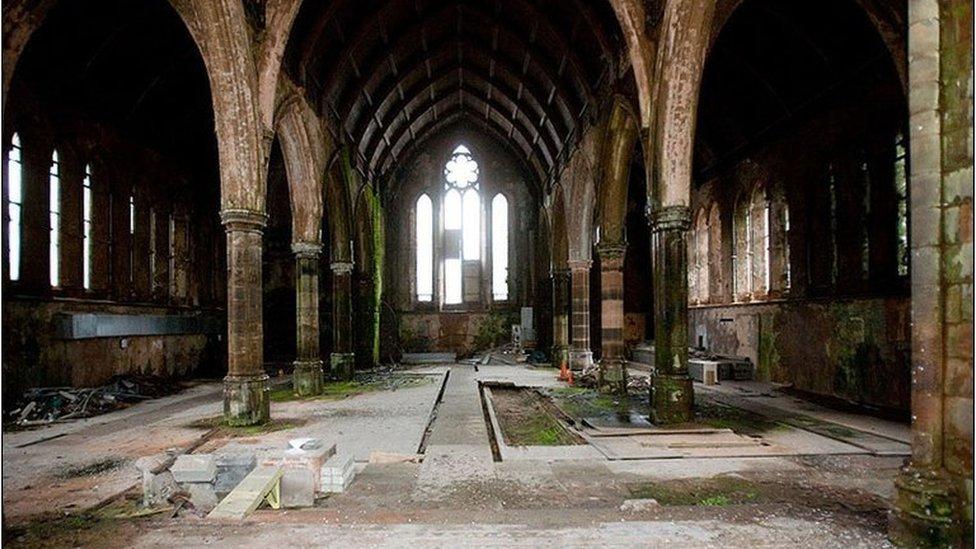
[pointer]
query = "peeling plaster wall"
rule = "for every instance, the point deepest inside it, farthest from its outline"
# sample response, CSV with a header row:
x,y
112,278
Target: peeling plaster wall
x,y
34,357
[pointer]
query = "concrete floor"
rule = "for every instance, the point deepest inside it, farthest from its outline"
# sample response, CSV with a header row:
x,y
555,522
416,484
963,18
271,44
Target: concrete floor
x,y
458,495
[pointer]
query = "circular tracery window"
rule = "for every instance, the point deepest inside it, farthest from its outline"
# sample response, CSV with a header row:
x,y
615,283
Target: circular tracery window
x,y
461,170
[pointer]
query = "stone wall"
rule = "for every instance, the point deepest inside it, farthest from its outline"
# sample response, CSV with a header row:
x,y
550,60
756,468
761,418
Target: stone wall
x,y
34,355
450,331
854,349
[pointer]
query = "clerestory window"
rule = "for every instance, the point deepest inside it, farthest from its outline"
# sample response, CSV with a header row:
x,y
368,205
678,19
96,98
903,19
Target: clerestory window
x,y
15,198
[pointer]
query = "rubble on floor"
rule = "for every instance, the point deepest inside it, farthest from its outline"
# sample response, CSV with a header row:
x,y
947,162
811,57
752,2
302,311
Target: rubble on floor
x,y
231,485
44,405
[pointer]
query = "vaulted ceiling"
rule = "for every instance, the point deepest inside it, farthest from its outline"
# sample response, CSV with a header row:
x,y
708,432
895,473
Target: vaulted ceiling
x,y
391,73
130,64
775,63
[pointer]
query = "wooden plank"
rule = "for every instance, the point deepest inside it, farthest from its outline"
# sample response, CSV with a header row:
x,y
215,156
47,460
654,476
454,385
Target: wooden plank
x,y
249,494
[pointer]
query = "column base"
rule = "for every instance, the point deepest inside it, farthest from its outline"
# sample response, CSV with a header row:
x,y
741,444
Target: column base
x,y
578,360
672,398
613,376
307,378
924,513
343,365
246,400
560,357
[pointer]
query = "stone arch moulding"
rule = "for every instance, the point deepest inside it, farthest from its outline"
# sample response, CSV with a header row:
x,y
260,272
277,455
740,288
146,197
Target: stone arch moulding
x,y
219,29
679,67
640,50
302,150
622,133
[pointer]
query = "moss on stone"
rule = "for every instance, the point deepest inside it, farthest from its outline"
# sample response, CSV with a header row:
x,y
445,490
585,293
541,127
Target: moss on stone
x,y
709,492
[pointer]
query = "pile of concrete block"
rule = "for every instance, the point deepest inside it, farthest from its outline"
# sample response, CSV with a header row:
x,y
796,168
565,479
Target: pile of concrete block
x,y
158,483
337,473
231,470
308,466
196,474
302,463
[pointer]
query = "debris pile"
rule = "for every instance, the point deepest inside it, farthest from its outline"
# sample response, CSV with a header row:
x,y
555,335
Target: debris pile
x,y
50,404
639,384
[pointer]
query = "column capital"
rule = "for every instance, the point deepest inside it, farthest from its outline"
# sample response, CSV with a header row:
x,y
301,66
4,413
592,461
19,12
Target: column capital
x,y
306,249
677,217
238,219
342,267
560,271
611,250
579,264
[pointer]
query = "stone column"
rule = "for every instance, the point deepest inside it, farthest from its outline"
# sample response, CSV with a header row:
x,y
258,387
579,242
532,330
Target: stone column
x,y
934,493
246,385
580,355
307,378
364,318
671,389
560,317
613,366
343,359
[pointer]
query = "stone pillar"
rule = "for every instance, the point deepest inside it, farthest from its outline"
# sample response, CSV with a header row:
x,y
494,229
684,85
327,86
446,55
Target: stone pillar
x,y
307,378
934,492
580,355
672,396
246,385
560,317
364,320
343,359
613,366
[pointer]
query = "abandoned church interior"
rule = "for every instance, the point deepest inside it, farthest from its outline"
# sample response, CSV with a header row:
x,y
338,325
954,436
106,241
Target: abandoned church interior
x,y
487,272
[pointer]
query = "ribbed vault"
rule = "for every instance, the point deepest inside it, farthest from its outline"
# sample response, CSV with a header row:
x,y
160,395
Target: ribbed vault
x,y
389,73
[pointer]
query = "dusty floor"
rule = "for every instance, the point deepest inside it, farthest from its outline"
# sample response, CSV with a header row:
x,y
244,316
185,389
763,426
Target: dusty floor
x,y
458,494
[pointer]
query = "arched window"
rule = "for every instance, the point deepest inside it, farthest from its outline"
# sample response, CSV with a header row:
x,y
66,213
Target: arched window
x,y
832,226
748,259
54,248
901,196
693,265
701,254
452,252
787,267
747,245
766,244
499,247
152,251
15,198
425,248
472,225
462,221
132,238
714,253
86,213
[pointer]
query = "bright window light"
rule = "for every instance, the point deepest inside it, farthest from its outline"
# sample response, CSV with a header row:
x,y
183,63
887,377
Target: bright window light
x,y
15,198
425,249
55,216
86,205
499,247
